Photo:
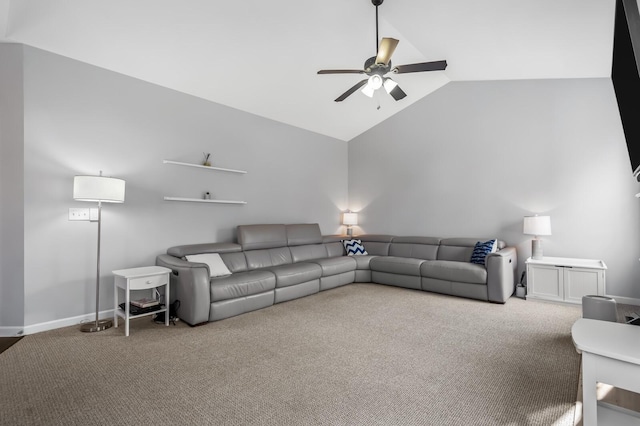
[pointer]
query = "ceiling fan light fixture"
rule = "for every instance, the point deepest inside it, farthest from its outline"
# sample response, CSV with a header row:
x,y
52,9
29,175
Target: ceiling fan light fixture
x,y
389,85
368,90
375,82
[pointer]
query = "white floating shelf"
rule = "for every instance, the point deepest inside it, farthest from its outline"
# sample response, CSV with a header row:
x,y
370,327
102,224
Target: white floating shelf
x,y
179,163
200,200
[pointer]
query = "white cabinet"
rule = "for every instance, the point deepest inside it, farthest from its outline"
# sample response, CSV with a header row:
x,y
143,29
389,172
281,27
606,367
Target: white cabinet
x,y
563,279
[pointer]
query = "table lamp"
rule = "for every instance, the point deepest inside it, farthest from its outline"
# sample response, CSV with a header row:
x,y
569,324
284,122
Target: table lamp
x,y
100,189
349,219
536,226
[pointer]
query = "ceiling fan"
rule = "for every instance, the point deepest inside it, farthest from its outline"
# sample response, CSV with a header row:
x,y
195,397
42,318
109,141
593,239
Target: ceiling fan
x,y
377,66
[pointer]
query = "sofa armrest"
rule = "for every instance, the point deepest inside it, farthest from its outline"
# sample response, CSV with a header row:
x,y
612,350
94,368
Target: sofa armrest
x,y
190,285
501,274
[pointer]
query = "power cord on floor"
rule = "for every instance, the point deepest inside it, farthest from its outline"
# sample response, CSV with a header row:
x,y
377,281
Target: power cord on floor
x,y
173,314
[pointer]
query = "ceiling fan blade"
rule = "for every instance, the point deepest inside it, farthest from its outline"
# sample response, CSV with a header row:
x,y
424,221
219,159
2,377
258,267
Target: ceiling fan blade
x,y
341,72
386,49
422,66
397,93
348,93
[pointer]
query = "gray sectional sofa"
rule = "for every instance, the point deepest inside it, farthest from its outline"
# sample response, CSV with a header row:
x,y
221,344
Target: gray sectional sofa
x,y
275,263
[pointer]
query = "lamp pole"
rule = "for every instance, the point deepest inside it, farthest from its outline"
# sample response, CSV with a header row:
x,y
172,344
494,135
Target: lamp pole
x,y
107,323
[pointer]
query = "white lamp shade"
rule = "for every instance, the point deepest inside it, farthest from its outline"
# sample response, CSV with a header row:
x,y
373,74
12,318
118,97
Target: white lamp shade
x,y
389,85
368,90
349,218
98,188
537,225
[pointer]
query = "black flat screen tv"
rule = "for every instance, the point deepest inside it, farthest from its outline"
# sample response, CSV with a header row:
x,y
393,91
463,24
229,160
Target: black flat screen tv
x,y
625,75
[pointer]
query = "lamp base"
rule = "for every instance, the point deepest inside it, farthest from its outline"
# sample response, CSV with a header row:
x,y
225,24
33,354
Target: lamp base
x,y
90,327
536,249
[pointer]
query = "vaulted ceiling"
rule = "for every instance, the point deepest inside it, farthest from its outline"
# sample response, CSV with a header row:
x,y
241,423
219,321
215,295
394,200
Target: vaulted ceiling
x,y
262,56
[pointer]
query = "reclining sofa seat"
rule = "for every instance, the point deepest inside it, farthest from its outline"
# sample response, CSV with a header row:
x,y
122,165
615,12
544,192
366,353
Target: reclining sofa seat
x,y
442,266
322,263
402,266
204,298
266,249
452,273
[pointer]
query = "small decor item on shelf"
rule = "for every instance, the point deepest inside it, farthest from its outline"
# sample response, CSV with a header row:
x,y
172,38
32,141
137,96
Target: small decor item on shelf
x,y
206,161
207,195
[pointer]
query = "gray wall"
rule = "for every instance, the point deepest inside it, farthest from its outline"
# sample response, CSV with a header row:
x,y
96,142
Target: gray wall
x,y
473,158
11,190
81,119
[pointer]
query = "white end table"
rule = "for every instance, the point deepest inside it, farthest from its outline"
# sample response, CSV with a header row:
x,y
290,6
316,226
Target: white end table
x,y
145,278
611,355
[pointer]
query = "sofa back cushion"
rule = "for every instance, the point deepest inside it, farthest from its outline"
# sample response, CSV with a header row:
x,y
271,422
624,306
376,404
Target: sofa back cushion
x,y
236,262
458,249
311,251
376,245
182,251
256,237
303,234
333,244
416,247
305,242
268,257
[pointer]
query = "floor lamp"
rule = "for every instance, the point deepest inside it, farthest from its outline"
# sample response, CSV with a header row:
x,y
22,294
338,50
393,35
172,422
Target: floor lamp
x,y
100,189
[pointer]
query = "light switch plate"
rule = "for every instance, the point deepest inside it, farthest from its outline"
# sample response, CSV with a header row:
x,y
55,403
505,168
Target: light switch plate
x,y
78,214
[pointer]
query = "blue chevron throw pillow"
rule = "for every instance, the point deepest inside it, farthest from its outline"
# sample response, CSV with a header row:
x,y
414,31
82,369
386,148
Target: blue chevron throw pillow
x,y
481,250
354,247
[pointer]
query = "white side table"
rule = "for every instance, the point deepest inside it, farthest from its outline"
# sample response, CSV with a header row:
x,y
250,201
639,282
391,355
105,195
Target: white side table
x,y
145,278
566,280
610,354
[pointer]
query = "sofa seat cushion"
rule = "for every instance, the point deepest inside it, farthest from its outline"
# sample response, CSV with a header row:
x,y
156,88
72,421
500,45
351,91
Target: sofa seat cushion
x,y
241,284
397,265
296,273
363,262
449,270
336,265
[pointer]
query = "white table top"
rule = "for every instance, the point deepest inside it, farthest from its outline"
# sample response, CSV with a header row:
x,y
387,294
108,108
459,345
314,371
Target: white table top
x,y
144,271
566,261
609,339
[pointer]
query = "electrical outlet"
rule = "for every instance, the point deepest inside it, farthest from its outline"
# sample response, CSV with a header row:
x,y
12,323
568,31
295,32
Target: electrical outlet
x,y
93,214
78,214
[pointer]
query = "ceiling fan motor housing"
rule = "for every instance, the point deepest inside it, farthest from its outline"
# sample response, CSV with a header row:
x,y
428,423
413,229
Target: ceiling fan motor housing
x,y
370,67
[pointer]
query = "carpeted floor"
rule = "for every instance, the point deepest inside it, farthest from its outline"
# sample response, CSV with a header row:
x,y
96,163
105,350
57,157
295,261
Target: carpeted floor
x,y
363,354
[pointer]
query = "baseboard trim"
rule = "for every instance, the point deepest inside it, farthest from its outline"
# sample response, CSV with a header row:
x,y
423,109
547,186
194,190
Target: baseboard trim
x,y
77,320
11,331
65,322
